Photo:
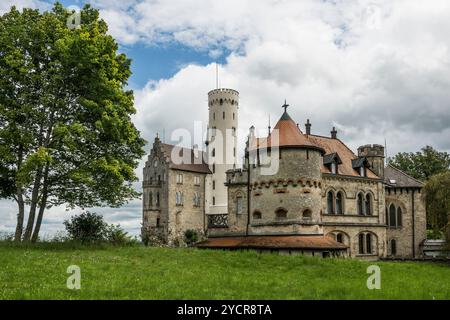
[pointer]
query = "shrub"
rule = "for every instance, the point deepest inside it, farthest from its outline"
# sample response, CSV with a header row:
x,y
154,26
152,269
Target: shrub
x,y
190,237
117,236
86,227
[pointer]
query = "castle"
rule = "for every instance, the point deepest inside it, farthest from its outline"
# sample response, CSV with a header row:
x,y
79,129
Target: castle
x,y
297,192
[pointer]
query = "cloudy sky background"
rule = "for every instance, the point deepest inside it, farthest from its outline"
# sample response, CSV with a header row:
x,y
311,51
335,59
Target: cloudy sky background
x,y
376,70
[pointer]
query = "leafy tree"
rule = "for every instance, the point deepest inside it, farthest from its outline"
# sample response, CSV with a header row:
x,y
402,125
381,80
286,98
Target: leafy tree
x,y
190,236
66,136
86,227
423,164
437,196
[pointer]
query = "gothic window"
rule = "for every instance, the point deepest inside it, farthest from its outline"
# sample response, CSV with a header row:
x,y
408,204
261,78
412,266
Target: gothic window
x,y
360,204
257,215
368,243
393,247
339,203
365,243
281,213
399,217
361,243
330,202
307,214
387,216
392,218
239,205
221,101
368,204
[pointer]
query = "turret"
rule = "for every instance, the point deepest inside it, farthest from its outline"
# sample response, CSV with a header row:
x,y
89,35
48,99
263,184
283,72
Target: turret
x,y
221,143
375,155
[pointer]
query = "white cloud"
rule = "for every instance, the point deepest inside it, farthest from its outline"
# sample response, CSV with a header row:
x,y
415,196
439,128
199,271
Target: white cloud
x,y
375,69
5,5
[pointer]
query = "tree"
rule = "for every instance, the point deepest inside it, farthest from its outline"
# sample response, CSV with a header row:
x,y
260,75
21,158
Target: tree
x,y
437,197
87,227
66,135
423,164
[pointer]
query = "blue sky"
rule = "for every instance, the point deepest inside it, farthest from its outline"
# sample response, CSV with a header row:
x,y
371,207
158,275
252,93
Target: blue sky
x,y
375,69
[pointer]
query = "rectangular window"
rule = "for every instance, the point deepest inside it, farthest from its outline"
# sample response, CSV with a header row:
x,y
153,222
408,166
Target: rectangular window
x,y
362,171
179,178
197,180
223,115
214,185
214,201
333,167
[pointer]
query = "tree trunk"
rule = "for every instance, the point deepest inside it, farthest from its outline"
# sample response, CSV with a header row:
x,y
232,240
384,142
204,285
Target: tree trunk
x,y
20,215
42,205
34,201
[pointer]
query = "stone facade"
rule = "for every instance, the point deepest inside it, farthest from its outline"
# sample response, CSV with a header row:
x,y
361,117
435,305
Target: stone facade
x,y
319,188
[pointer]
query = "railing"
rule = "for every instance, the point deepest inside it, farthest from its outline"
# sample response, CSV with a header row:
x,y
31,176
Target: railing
x,y
218,221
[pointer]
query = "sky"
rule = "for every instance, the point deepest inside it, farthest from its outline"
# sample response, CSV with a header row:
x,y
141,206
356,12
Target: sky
x,y
377,70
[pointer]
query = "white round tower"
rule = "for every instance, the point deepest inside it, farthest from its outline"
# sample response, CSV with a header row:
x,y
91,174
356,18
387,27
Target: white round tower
x,y
221,146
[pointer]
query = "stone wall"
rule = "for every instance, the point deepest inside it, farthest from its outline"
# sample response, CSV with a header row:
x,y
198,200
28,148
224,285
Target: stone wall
x,y
403,235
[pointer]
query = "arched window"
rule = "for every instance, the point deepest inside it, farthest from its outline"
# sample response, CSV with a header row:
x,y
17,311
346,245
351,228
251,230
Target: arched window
x,y
339,203
361,243
360,204
365,243
330,202
368,205
307,214
257,215
221,101
340,238
239,204
368,243
157,199
387,216
392,220
393,247
281,213
399,217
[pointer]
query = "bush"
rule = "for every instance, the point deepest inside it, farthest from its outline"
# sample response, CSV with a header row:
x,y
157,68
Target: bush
x,y
117,236
86,228
190,236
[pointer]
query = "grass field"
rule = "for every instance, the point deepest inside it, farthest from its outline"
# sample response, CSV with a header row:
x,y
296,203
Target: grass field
x,y
159,273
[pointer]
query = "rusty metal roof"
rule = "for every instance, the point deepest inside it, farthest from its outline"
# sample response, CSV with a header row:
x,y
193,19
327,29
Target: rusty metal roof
x,y
273,242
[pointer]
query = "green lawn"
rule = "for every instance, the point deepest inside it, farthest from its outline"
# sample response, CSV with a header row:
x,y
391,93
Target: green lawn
x,y
160,273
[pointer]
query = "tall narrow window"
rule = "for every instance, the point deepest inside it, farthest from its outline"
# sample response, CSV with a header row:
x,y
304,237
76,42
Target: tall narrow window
x,y
333,168
393,247
361,243
368,243
157,199
150,199
330,202
362,171
223,115
214,168
387,216
399,217
392,218
214,184
233,115
339,203
239,205
214,201
339,238
214,116
368,204
360,204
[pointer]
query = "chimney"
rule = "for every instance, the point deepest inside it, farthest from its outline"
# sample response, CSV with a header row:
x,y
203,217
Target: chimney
x,y
334,133
308,127
195,149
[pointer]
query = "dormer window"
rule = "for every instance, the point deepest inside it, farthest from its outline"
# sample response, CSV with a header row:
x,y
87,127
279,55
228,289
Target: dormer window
x,y
362,171
332,161
360,164
333,168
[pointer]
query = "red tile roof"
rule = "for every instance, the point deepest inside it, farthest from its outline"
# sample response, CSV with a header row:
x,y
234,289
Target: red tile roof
x,y
273,242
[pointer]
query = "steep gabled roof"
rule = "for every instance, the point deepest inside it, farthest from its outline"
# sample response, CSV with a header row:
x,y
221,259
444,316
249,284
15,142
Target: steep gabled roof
x,y
194,163
396,178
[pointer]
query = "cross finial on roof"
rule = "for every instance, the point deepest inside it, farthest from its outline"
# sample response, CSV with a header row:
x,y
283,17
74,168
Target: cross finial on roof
x,y
285,105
